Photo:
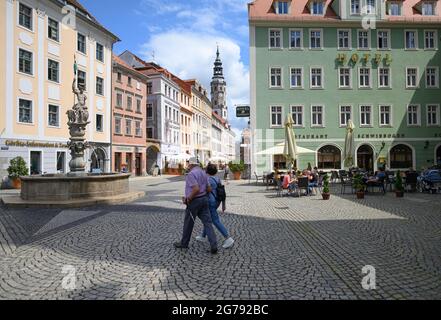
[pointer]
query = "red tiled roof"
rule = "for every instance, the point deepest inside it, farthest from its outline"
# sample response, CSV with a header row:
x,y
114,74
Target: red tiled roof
x,y
121,62
263,10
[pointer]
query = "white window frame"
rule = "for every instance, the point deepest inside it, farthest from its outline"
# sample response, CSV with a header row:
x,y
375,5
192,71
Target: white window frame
x,y
281,77
369,40
102,124
436,86
33,62
301,39
322,78
32,111
388,39
323,2
417,77
59,70
435,39
58,115
302,78
371,117
120,125
400,7
271,116
339,78
343,125
433,3
277,7
281,38
322,38
103,86
437,105
416,39
323,125
369,86
390,78
418,124
85,44
33,16
302,113
390,125
359,8
349,47
59,29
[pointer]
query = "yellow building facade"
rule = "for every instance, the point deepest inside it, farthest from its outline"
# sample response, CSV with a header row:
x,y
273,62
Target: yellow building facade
x,y
40,42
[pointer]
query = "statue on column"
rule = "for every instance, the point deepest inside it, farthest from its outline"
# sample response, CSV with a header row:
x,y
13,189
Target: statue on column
x,y
78,120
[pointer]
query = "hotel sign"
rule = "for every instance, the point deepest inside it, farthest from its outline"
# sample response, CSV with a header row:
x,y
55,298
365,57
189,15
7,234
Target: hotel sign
x,y
35,144
242,111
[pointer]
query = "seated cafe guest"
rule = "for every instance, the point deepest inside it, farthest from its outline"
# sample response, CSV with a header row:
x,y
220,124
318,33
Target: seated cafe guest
x,y
380,174
289,181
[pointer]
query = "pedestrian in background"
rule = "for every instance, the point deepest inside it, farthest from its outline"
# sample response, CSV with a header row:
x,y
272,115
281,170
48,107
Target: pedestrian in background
x,y
196,200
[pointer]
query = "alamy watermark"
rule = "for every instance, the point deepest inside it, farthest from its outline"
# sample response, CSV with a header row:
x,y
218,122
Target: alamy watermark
x,y
69,281
369,281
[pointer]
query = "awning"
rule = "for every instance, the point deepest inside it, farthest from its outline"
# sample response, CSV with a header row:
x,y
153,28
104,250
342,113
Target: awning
x,y
279,149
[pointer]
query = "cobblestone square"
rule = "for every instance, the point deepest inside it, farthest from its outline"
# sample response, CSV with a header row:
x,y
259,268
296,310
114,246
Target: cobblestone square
x,y
286,248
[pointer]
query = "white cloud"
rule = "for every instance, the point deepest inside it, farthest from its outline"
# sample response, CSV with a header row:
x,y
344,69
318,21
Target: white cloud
x,y
191,55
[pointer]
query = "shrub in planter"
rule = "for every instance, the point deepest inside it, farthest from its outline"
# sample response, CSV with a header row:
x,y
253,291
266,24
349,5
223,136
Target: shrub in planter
x,y
326,193
237,169
17,168
359,186
399,188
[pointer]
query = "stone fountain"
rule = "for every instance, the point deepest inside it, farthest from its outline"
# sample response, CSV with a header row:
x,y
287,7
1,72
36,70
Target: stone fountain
x,y
77,188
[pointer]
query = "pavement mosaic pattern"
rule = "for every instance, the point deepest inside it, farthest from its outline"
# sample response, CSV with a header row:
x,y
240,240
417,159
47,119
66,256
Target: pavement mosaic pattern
x,y
286,248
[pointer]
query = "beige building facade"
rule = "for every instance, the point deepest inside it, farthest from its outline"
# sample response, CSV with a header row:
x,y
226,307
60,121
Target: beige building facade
x,y
40,41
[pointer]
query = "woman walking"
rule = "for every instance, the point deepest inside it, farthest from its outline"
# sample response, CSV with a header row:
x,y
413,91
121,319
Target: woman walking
x,y
214,202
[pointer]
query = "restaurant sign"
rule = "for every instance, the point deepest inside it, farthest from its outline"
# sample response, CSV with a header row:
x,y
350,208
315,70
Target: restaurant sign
x,y
35,144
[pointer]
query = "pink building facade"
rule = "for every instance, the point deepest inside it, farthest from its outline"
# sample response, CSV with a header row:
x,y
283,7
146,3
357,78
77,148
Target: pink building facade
x,y
129,101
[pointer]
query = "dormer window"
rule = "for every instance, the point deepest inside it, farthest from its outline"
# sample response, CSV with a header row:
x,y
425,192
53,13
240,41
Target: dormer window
x,y
355,6
282,7
370,7
428,8
394,9
317,7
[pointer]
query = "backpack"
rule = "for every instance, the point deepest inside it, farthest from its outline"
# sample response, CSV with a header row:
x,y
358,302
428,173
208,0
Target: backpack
x,y
219,194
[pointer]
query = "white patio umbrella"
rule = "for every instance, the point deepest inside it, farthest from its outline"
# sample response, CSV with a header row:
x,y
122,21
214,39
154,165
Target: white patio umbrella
x,y
349,145
280,148
290,150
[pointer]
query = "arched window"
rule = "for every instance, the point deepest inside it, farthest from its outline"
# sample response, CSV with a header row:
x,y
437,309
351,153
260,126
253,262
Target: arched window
x,y
401,157
329,157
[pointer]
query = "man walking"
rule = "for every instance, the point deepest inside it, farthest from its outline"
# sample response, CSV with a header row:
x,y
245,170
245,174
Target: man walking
x,y
196,189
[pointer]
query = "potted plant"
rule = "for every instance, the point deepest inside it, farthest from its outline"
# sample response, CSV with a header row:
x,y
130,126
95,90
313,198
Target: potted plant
x,y
359,186
326,193
399,188
17,168
237,169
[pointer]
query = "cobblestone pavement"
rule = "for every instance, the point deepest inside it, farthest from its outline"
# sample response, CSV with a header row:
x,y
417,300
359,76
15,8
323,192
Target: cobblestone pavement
x,y
286,248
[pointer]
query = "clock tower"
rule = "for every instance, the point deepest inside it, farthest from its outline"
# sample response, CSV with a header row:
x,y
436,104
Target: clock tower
x,y
218,89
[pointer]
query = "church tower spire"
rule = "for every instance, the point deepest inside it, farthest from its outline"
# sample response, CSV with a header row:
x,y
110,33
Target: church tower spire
x,y
218,88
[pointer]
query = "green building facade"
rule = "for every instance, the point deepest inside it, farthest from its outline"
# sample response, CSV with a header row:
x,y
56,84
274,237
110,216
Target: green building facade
x,y
380,70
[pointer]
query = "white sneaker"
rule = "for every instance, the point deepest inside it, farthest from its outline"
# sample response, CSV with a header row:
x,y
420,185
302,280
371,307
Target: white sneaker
x,y
200,238
228,243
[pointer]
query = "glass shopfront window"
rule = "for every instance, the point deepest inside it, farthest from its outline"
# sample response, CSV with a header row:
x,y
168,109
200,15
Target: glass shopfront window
x,y
401,157
329,157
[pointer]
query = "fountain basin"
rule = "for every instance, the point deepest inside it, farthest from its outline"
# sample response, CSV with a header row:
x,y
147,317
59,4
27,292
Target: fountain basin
x,y
73,191
62,187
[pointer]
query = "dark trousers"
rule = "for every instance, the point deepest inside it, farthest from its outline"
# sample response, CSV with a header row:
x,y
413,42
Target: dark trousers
x,y
198,208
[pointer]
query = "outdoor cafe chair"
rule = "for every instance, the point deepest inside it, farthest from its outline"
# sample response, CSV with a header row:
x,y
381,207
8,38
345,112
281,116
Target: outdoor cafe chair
x,y
411,181
259,178
303,183
346,183
380,185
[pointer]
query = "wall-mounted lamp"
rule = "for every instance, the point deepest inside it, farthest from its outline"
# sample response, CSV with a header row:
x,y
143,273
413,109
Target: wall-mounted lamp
x,y
426,145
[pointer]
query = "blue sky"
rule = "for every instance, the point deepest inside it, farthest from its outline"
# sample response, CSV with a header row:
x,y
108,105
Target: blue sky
x,y
183,35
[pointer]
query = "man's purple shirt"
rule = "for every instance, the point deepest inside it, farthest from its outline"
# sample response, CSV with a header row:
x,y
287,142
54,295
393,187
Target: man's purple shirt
x,y
198,177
